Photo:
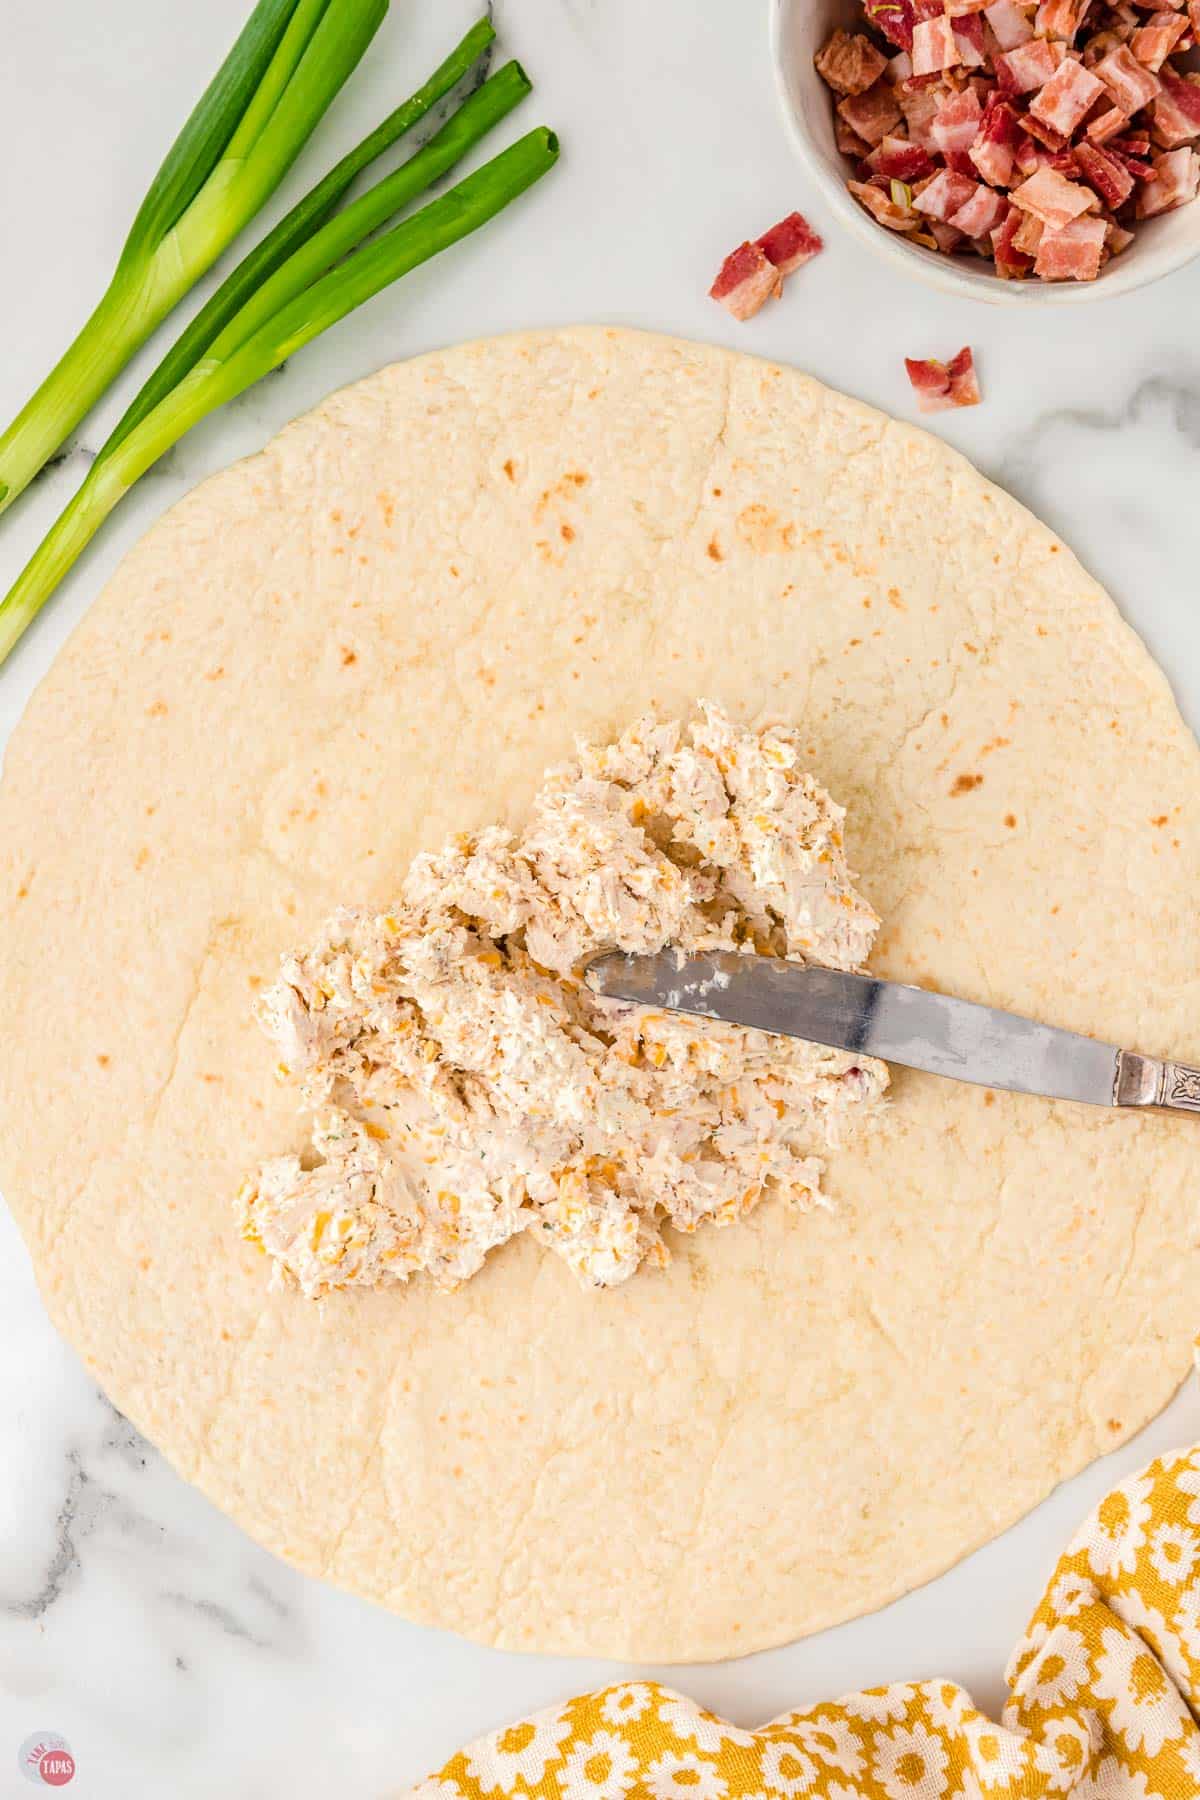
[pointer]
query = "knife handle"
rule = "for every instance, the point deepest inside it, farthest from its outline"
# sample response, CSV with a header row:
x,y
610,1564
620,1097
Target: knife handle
x,y
1144,1081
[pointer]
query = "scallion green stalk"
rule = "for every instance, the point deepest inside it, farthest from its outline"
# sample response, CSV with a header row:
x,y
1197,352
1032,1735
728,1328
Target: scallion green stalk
x,y
246,357
255,117
305,218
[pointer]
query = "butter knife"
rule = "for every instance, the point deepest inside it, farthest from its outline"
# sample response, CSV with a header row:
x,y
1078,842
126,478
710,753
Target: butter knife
x,y
908,1025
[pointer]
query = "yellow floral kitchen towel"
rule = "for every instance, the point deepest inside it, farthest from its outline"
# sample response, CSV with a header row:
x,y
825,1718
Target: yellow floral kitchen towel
x,y
1104,1693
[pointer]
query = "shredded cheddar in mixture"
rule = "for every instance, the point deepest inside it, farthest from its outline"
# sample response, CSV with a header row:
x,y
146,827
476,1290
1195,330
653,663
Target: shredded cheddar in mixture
x,y
464,1082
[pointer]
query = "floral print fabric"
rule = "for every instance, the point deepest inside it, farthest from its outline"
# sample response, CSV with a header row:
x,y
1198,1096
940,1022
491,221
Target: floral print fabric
x,y
1102,1695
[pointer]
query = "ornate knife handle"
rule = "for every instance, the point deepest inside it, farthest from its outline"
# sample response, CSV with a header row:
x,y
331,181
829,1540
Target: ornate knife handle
x,y
1144,1081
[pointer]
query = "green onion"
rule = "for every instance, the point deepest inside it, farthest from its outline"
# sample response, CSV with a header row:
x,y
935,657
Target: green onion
x,y
304,219
255,117
901,195
243,356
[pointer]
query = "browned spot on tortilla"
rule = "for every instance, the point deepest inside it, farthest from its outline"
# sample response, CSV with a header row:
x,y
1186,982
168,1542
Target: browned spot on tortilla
x,y
103,1061
336,515
215,674
854,643
715,551
210,1078
996,743
142,858
22,891
989,1099
762,531
945,718
348,656
965,784
158,710
866,606
1161,819
1054,548
717,492
143,1263
894,599
1115,1425
973,648
568,533
510,468
1010,819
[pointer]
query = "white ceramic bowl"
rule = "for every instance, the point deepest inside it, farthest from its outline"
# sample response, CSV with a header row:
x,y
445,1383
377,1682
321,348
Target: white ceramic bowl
x,y
798,29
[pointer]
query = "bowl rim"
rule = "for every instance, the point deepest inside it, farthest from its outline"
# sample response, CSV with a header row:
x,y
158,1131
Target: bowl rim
x,y
929,266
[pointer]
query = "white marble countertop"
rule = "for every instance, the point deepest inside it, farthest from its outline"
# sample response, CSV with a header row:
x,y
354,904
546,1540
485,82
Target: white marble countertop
x,y
174,1655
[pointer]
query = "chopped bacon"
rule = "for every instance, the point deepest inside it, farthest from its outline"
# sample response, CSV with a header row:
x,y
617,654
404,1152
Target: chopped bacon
x,y
899,68
970,41
1131,143
1104,173
1027,67
956,124
850,65
919,107
1061,18
1177,175
1106,125
873,114
1176,111
1067,97
1028,234
941,386
1010,23
847,141
748,279
945,236
1129,82
981,213
901,161
1118,238
879,204
894,18
1054,199
958,9
1009,260
1072,253
1064,162
934,47
1153,42
992,151
790,244
1045,134
945,194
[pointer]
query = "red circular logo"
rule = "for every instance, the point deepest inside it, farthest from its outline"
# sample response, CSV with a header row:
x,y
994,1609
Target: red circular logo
x,y
56,1767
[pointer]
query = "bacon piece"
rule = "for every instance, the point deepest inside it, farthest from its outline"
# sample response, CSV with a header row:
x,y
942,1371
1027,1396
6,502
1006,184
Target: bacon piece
x,y
1193,12
941,386
945,236
956,124
900,68
1072,254
1177,172
894,18
1118,238
873,114
1045,134
1028,234
1176,111
945,194
919,106
1027,67
1067,97
1054,199
1026,154
1104,173
849,65
981,214
1131,85
790,244
1009,260
934,47
1106,125
1157,38
992,151
1010,23
748,279
901,161
1064,162
879,204
1131,143
959,9
969,38
1061,18
847,141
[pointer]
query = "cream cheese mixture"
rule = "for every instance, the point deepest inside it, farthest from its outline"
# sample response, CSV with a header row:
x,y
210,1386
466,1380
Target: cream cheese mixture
x,y
464,1082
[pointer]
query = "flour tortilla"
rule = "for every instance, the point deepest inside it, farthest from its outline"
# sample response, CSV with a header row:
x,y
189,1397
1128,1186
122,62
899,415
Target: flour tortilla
x,y
381,631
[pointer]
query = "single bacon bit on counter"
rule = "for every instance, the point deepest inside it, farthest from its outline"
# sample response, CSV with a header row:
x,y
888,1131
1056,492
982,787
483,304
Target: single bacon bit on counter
x,y
992,127
1072,254
790,244
941,386
850,65
1176,175
755,273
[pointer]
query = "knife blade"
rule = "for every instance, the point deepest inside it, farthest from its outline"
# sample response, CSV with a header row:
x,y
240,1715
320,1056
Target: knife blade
x,y
917,1027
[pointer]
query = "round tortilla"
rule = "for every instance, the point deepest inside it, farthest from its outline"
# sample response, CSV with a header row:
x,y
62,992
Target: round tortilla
x,y
381,631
